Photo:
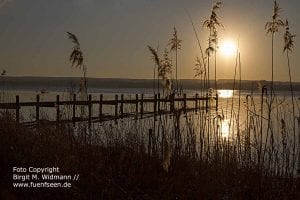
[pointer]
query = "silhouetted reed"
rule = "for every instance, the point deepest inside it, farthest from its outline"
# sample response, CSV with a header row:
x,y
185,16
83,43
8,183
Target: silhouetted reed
x,y
175,45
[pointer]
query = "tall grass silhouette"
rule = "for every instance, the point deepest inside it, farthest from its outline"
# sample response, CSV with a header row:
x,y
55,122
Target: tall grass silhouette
x,y
181,155
77,60
164,67
272,27
175,45
288,48
212,24
157,64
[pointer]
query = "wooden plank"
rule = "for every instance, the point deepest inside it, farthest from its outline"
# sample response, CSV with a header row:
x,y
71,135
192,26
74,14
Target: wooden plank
x,y
7,106
104,102
156,100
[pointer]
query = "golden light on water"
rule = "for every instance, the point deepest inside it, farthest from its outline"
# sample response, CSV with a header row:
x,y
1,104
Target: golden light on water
x,y
225,93
228,48
225,128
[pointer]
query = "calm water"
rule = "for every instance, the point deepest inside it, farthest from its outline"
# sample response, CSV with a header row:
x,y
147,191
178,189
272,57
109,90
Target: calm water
x,y
229,104
234,113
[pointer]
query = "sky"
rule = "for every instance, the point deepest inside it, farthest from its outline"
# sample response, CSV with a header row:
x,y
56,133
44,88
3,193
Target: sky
x,y
114,35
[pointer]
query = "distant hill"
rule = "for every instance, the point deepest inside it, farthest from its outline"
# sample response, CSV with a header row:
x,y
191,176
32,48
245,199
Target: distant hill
x,y
49,83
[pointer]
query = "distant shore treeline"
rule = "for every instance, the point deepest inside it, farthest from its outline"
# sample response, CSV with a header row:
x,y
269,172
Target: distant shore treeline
x,y
52,83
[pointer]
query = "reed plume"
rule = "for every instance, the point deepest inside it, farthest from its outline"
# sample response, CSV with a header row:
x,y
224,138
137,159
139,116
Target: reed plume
x,y
165,70
199,67
164,66
203,56
77,60
175,45
76,56
154,55
272,27
288,48
212,24
156,60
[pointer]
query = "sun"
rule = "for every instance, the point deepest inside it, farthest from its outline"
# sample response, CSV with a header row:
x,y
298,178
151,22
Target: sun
x,y
228,48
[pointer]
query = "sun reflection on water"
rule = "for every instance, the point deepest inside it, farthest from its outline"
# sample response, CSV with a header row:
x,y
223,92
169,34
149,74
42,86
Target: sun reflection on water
x,y
225,128
225,93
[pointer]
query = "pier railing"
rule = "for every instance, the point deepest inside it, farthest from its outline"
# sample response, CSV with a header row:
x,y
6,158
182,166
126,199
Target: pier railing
x,y
165,105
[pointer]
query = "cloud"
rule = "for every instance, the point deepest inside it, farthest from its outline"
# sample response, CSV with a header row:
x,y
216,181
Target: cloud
x,y
4,2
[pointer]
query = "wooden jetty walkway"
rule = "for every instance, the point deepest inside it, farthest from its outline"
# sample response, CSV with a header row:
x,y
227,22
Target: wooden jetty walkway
x,y
160,106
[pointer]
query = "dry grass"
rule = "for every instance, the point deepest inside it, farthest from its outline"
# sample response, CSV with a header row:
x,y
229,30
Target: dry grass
x,y
126,171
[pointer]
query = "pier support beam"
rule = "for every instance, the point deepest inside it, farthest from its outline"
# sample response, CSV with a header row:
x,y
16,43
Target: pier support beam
x,y
100,107
116,108
142,105
57,109
90,110
74,110
17,109
37,108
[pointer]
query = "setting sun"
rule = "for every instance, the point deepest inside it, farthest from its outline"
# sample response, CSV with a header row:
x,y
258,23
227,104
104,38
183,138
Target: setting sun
x,y
228,48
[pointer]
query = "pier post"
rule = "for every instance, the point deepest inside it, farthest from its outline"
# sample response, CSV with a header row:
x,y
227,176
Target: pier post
x,y
37,108
120,111
206,103
90,110
158,103
217,101
116,108
100,107
122,106
17,109
142,105
172,104
196,102
136,106
184,103
155,106
57,109
74,109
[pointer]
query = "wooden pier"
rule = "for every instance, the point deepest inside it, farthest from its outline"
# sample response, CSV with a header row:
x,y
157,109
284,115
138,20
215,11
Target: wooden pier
x,y
160,106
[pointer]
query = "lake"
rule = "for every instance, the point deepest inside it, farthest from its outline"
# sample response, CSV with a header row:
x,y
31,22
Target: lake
x,y
236,118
